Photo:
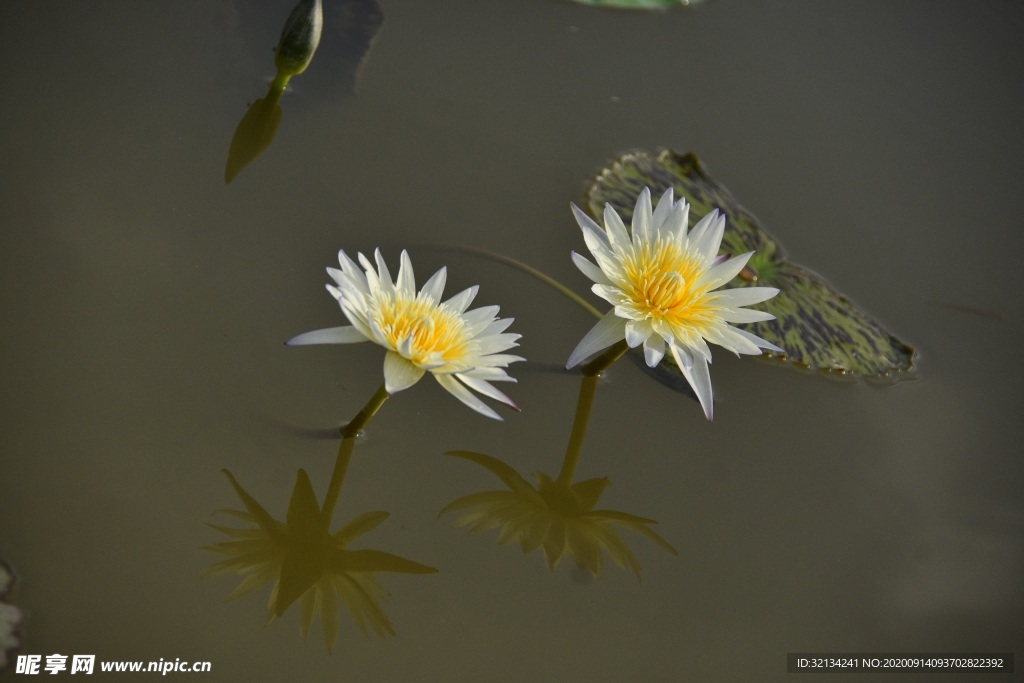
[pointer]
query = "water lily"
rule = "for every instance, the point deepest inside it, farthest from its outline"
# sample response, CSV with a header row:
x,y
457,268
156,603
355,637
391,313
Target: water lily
x,y
308,563
556,515
462,349
663,283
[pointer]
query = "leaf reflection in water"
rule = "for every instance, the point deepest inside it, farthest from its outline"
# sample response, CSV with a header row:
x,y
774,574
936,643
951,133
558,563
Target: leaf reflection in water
x,y
307,563
354,28
557,514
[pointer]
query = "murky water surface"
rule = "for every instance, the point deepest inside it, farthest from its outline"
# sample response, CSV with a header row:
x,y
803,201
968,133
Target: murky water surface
x,y
145,303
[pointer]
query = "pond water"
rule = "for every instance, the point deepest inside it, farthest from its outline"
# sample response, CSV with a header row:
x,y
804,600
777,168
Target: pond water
x,y
145,303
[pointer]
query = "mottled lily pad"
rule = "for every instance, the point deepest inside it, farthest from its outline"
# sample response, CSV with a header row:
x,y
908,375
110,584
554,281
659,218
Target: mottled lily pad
x,y
818,327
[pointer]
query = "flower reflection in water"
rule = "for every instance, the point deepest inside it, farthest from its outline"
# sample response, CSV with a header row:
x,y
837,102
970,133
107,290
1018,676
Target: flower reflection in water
x,y
308,563
556,514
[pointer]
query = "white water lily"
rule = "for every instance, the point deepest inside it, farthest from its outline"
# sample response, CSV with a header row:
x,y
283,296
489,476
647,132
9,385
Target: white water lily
x,y
461,349
663,283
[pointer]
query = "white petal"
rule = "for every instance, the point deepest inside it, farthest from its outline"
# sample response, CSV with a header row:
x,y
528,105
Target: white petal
x,y
460,392
461,301
702,226
721,273
662,211
733,339
741,296
358,318
434,287
606,332
610,293
598,245
490,374
480,317
348,266
497,327
637,332
642,217
709,242
497,342
373,283
590,270
744,315
482,387
593,234
498,360
757,341
399,373
587,223
698,347
383,274
654,350
616,229
406,282
695,370
330,335
676,223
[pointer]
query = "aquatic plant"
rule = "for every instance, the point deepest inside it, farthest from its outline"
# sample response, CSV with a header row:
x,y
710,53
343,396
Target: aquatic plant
x,y
308,563
555,515
462,349
816,326
663,283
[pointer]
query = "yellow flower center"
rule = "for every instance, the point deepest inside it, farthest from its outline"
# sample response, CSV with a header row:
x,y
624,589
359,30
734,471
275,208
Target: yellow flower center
x,y
437,333
658,280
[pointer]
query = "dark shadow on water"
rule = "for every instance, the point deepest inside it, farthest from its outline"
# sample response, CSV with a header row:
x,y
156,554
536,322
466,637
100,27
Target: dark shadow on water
x,y
352,27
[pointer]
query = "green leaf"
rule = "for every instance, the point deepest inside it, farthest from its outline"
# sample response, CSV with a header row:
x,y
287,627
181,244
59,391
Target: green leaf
x,y
818,327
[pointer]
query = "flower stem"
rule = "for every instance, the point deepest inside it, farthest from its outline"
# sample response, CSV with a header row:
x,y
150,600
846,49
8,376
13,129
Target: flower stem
x,y
579,429
278,86
348,441
602,362
588,385
363,416
533,272
337,478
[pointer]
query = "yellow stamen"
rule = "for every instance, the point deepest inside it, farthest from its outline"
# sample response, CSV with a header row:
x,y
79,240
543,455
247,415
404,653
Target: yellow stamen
x,y
434,330
658,280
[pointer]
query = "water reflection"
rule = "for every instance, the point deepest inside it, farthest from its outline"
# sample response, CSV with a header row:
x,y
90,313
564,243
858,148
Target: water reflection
x,y
356,25
295,49
558,514
306,561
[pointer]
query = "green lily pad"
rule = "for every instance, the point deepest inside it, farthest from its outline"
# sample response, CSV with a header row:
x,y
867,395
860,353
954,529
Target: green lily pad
x,y
818,327
638,4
